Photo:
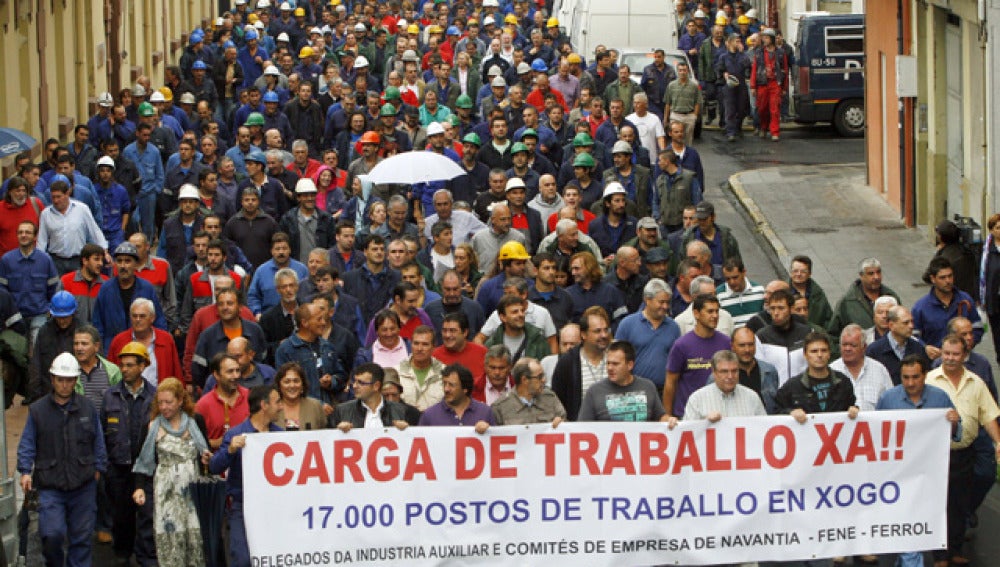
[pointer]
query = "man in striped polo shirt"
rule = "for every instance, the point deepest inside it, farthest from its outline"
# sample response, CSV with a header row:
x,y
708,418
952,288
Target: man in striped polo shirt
x,y
739,296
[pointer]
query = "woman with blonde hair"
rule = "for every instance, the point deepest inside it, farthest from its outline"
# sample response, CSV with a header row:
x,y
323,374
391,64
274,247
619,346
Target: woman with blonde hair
x,y
173,448
467,266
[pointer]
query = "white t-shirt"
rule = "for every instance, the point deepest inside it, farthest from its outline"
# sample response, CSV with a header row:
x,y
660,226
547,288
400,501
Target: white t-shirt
x,y
649,128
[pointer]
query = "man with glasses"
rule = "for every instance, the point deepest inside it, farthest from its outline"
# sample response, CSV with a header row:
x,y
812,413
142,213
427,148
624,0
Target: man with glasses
x,y
530,401
369,408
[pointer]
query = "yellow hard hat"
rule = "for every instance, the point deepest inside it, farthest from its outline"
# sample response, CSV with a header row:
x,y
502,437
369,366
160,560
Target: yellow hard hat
x,y
168,94
306,52
552,23
574,58
300,12
510,19
413,28
743,20
513,251
721,20
252,18
135,349
335,2
434,29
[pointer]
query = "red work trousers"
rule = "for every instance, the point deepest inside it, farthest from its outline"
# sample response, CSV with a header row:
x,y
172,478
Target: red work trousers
x,y
769,107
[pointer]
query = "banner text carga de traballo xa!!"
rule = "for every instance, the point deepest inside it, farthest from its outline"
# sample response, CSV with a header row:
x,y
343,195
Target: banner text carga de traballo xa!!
x,y
743,489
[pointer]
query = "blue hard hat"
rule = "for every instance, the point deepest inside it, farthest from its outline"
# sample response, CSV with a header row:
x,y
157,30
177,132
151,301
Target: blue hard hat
x,y
270,96
251,34
539,65
196,37
199,64
63,304
257,156
59,177
453,30
229,43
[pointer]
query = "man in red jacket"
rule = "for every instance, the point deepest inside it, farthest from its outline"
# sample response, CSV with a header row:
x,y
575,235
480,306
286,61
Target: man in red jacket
x,y
768,83
160,346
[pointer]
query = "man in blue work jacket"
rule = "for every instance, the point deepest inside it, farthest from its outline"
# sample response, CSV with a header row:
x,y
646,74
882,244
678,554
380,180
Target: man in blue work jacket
x,y
61,454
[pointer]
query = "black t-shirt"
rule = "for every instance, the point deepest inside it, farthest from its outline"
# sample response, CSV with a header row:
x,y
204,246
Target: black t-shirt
x,y
127,295
751,379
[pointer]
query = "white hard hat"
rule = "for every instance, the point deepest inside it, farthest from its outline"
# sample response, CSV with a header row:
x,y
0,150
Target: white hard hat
x,y
65,365
613,188
272,70
283,37
188,191
105,100
187,98
515,183
752,13
316,30
359,27
621,147
488,20
491,4
106,161
258,25
286,7
305,185
699,14
138,90
360,62
263,4
157,96
434,128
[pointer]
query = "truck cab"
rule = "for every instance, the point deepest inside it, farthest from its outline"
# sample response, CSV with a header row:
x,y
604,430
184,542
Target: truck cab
x,y
829,85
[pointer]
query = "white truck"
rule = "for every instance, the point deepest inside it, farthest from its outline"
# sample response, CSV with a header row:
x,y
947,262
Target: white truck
x,y
618,23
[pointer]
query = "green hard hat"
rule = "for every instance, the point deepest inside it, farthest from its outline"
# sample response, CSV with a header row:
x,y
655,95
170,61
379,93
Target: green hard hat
x,y
584,160
387,110
392,93
472,138
518,147
454,120
529,132
464,101
582,139
254,119
146,109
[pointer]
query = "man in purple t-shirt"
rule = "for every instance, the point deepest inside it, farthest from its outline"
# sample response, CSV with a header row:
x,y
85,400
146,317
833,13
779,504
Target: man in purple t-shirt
x,y
690,359
457,407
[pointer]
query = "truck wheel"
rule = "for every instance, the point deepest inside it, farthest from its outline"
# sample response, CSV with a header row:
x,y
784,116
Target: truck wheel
x,y
849,118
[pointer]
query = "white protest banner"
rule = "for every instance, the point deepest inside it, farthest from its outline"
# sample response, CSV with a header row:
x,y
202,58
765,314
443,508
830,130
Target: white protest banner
x,y
596,494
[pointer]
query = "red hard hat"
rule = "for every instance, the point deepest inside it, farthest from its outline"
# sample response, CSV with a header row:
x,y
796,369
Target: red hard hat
x,y
370,138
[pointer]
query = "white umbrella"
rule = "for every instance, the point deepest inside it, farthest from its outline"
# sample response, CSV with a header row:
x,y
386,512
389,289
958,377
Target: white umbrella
x,y
414,167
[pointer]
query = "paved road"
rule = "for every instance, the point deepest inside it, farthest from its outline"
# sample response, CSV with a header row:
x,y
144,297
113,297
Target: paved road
x,y
799,145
